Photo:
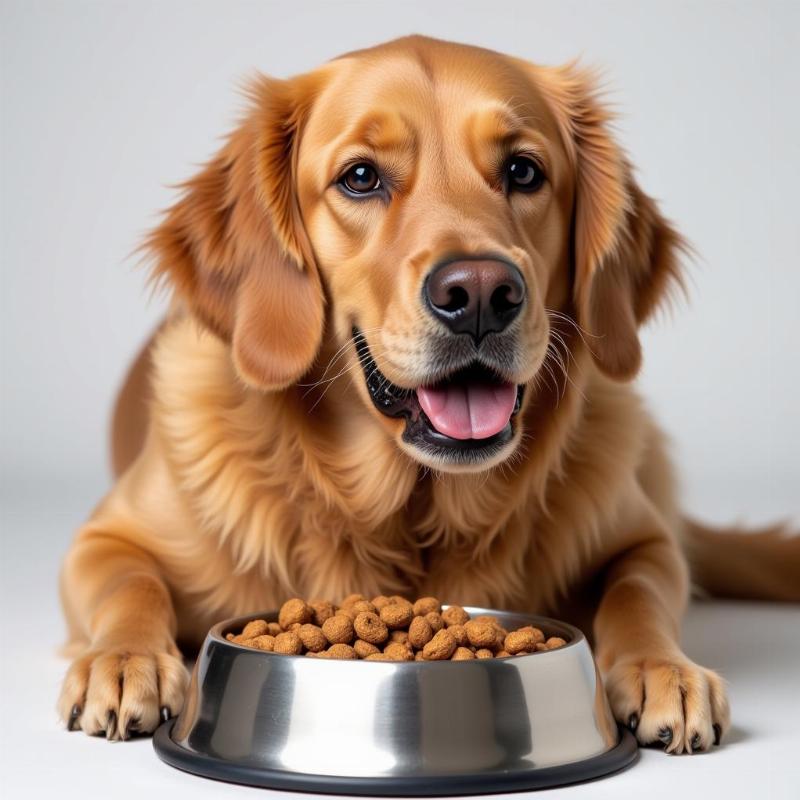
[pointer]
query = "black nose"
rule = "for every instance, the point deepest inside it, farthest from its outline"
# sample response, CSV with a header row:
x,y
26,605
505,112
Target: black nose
x,y
475,297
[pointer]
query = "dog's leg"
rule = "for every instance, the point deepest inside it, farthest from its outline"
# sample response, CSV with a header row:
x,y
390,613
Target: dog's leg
x,y
131,675
652,686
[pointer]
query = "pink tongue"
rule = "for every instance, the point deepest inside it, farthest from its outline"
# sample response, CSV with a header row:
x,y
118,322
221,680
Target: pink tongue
x,y
475,411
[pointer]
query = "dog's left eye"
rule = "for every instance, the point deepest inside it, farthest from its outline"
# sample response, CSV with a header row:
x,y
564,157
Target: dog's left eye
x,y
523,174
361,179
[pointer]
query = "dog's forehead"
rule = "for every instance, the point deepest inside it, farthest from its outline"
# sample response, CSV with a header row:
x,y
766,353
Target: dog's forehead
x,y
429,89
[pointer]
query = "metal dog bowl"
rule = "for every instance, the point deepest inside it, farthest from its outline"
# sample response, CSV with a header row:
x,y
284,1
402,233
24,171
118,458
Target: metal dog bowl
x,y
406,728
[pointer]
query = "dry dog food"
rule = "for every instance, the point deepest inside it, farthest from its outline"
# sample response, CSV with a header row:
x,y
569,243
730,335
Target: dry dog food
x,y
389,629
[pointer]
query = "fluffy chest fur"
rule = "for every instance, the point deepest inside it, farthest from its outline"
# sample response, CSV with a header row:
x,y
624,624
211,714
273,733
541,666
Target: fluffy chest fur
x,y
323,504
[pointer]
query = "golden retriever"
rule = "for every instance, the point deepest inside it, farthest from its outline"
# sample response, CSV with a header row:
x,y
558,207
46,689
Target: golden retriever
x,y
406,300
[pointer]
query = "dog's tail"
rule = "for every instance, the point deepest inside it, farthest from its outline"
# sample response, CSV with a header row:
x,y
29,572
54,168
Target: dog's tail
x,y
761,564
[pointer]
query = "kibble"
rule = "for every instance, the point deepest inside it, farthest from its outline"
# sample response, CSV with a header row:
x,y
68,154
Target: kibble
x,y
419,632
312,637
292,611
459,633
322,610
263,642
364,649
256,627
288,643
480,633
455,615
389,629
338,629
370,627
442,646
339,650
397,615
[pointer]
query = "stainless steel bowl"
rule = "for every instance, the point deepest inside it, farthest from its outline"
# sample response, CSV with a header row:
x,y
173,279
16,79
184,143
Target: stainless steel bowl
x,y
415,728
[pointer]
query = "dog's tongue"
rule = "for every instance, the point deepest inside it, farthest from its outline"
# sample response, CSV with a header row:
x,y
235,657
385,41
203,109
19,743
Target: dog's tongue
x,y
468,411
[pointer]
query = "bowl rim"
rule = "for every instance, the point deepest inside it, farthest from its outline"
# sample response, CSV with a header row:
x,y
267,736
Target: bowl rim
x,y
577,637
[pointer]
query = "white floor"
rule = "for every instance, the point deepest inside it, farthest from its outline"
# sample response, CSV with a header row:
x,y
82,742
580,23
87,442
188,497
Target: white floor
x,y
756,647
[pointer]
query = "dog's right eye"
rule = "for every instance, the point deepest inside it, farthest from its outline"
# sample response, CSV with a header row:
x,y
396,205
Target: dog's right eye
x,y
361,179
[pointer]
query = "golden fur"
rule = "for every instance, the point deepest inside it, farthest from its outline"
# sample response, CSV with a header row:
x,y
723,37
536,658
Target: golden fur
x,y
263,471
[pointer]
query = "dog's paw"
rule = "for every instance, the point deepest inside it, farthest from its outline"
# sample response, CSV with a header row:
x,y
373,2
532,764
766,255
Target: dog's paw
x,y
122,691
673,701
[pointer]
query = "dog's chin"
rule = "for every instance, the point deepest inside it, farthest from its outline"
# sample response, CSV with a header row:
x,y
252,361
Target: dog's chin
x,y
428,443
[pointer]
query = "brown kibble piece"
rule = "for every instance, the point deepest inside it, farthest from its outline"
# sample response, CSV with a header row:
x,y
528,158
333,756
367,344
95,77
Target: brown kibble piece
x,y
490,618
351,598
459,633
398,599
441,647
288,643
294,610
462,654
363,605
364,649
481,634
263,642
341,651
554,642
398,652
397,615
538,636
419,632
256,627
434,619
321,610
338,629
502,654
418,656
380,601
401,637
379,657
370,627
312,637
455,615
540,647
520,641
484,653
274,628
425,605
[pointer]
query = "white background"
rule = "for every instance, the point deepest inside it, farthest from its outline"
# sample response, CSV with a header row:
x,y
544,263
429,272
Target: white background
x,y
106,104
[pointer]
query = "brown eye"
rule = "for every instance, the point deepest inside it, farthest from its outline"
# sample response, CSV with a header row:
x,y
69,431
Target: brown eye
x,y
523,174
361,179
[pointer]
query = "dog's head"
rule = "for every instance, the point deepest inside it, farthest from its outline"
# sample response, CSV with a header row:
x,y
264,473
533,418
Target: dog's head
x,y
427,209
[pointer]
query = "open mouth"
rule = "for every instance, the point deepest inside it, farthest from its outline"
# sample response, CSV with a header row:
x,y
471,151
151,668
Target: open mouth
x,y
469,415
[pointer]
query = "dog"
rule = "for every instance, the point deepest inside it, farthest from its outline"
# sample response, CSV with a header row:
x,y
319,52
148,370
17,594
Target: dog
x,y
406,296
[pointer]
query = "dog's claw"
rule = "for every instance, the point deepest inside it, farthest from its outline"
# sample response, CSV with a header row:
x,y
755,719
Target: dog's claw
x,y
633,721
695,742
73,717
111,725
165,713
131,727
665,735
717,733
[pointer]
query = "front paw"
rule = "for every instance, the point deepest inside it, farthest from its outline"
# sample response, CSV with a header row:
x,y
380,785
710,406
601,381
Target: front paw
x,y
670,700
120,691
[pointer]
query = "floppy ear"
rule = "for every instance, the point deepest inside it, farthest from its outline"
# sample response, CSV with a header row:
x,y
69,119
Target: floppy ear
x,y
626,255
234,248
